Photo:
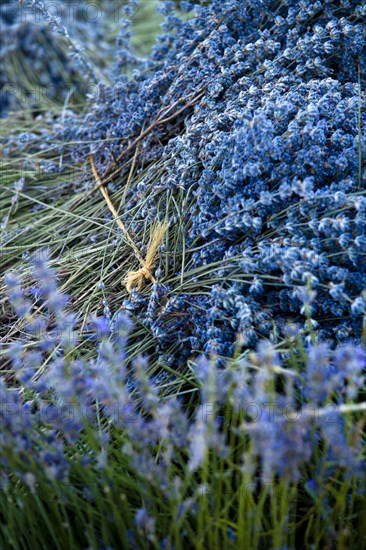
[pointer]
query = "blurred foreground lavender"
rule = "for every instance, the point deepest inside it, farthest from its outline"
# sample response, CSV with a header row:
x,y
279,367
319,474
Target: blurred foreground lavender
x,y
57,397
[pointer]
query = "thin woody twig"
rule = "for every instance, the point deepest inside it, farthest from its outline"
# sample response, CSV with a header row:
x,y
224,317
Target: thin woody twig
x,y
111,172
153,125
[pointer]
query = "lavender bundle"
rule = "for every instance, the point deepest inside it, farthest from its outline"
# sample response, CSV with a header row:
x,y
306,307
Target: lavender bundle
x,y
266,166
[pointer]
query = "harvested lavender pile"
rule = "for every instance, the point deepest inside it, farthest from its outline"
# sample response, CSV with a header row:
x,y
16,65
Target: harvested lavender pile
x,y
56,52
183,280
35,63
264,140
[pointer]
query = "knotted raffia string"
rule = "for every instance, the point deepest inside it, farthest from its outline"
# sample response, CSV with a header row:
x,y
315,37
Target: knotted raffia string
x,y
134,279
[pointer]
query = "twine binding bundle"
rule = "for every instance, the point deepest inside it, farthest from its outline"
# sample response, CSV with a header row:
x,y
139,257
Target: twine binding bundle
x,y
134,279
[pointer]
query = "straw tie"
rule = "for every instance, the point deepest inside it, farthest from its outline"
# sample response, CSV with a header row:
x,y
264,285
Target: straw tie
x,y
134,279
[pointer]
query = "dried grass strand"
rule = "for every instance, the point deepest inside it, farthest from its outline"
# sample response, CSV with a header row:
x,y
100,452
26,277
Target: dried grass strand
x,y
134,279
